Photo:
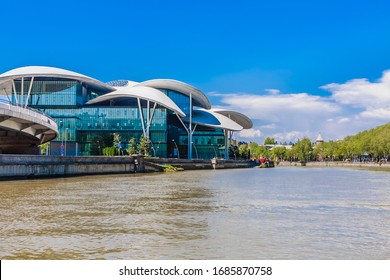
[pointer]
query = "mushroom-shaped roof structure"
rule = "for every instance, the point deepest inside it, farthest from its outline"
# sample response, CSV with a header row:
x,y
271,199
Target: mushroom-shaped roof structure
x,y
199,98
141,92
213,119
239,118
44,71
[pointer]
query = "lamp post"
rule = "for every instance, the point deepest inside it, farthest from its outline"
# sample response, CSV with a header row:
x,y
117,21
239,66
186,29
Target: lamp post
x,y
98,148
66,137
154,151
196,150
158,146
177,148
215,151
62,139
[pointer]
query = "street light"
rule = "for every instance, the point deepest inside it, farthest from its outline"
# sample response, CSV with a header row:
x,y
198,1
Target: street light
x,y
196,150
66,137
215,150
177,148
158,146
154,151
62,139
99,148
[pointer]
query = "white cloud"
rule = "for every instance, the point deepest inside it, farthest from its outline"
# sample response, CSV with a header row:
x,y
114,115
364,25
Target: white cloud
x,y
214,93
291,136
380,113
361,93
249,133
273,107
286,112
272,91
269,126
343,120
353,106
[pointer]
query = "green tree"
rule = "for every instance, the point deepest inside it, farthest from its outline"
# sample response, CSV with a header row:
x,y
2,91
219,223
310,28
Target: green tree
x,y
109,151
243,151
253,146
374,142
303,149
318,152
269,141
98,143
262,151
132,146
233,151
144,145
278,153
291,155
117,143
44,148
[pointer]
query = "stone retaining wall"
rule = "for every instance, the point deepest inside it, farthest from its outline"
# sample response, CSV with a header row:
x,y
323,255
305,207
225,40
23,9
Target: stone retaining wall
x,y
30,166
197,164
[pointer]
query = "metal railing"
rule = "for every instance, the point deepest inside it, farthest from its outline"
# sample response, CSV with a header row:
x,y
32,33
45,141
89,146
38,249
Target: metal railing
x,y
28,111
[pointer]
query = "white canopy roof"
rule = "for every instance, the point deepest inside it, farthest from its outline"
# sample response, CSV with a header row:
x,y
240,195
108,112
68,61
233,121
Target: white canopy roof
x,y
213,119
239,118
141,92
44,71
198,97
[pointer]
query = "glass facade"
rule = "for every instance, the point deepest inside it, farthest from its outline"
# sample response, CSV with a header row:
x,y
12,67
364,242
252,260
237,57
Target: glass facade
x,y
181,100
84,125
87,130
53,92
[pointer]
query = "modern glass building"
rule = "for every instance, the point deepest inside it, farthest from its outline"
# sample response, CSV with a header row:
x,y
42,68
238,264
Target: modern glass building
x,y
176,117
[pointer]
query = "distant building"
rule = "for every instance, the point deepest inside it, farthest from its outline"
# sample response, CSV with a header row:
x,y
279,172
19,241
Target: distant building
x,y
319,139
272,146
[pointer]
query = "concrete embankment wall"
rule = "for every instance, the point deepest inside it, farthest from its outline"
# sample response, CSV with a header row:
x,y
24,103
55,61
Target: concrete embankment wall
x,y
197,164
16,166
30,166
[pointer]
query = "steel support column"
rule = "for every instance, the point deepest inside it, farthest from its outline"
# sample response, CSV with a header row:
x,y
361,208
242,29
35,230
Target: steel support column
x,y
190,131
29,91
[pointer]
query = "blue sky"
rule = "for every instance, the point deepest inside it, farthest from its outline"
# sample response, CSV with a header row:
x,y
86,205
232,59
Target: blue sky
x,y
295,67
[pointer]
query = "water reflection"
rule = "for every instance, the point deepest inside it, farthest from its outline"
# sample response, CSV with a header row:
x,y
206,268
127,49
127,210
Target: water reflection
x,y
281,213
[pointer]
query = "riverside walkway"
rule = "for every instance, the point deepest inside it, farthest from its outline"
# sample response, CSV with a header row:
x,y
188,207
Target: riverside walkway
x,y
376,165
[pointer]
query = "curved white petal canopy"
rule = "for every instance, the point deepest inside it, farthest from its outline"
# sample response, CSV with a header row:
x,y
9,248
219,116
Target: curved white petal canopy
x,y
213,119
141,92
199,98
239,118
45,71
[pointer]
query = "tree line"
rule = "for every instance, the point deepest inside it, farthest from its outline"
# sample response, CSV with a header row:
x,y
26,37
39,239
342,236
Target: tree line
x,y
369,145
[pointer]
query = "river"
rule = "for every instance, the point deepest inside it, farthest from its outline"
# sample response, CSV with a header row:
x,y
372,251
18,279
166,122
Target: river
x,y
279,213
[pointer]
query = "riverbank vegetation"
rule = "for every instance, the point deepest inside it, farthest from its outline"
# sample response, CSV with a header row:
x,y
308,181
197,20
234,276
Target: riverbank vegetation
x,y
171,168
143,147
369,145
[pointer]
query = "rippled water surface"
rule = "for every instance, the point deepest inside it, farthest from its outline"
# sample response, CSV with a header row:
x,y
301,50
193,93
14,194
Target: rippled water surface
x,y
279,213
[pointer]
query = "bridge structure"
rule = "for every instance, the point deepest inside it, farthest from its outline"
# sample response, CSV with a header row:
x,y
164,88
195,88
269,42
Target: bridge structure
x,y
22,129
